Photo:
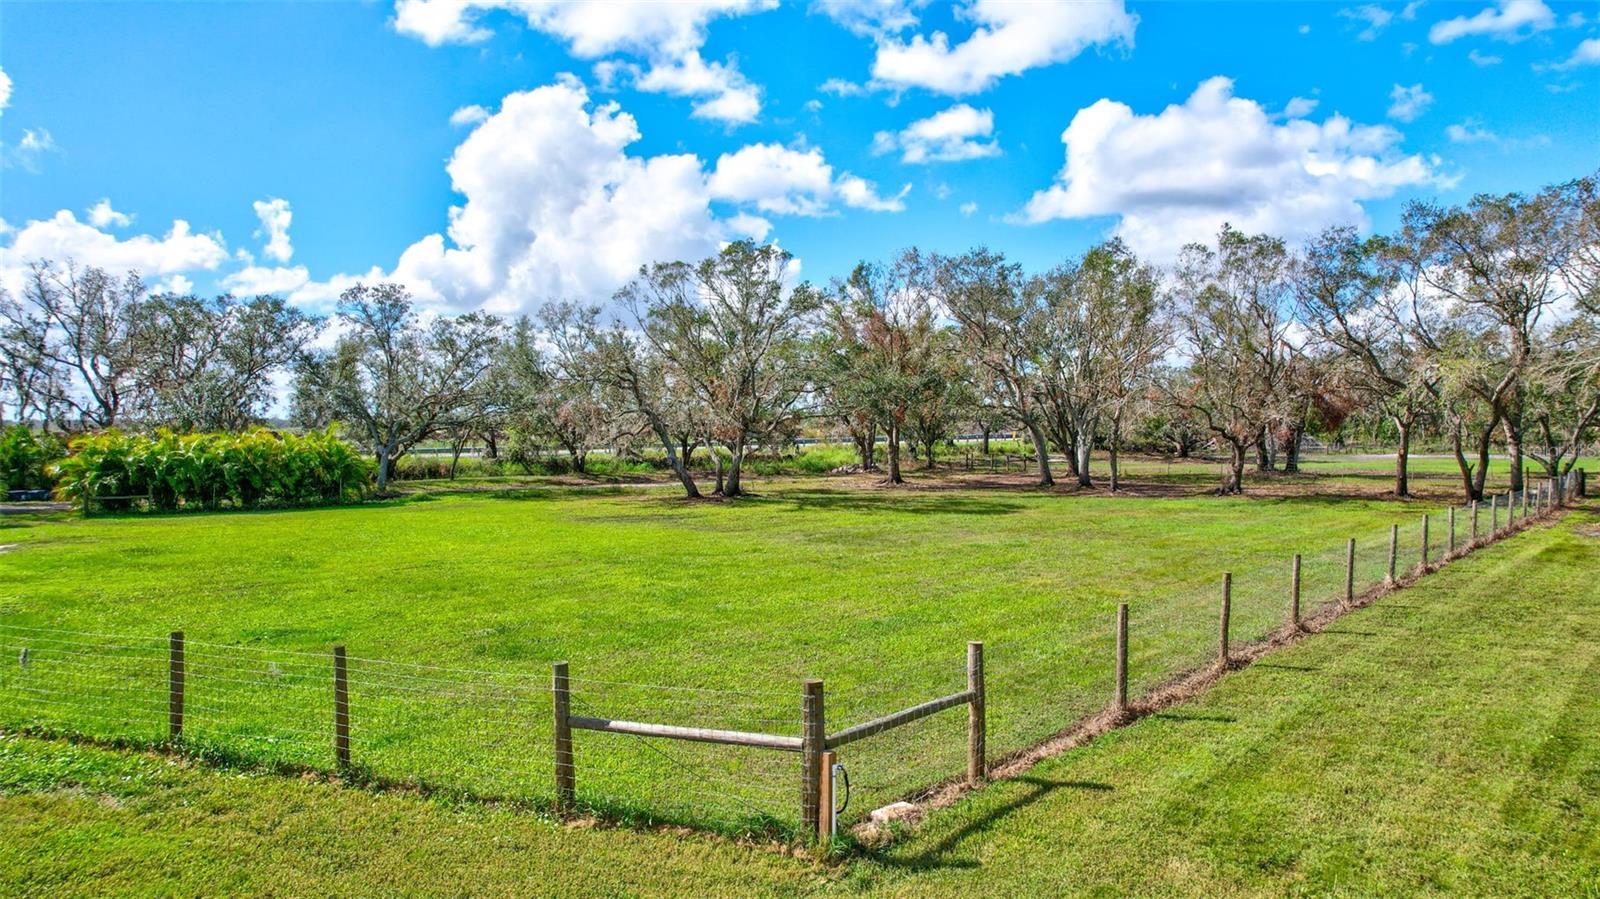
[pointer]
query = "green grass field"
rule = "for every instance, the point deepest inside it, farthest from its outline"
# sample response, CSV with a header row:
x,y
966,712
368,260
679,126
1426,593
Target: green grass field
x,y
718,610
1442,741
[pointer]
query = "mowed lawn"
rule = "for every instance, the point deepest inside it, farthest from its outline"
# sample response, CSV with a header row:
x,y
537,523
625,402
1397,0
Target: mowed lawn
x,y
875,591
1445,741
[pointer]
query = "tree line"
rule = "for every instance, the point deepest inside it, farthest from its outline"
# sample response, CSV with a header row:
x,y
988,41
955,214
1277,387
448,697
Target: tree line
x,y
1475,326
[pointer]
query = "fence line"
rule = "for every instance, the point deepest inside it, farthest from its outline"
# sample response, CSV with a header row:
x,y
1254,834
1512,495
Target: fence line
x,y
700,754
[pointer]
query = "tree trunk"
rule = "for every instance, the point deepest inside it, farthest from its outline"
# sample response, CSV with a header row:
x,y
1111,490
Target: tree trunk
x,y
1513,432
383,468
1402,458
1112,445
894,454
1463,466
680,466
1084,445
1041,452
1263,457
735,467
1234,484
1483,461
985,432
927,449
716,458
455,458
1291,453
1473,479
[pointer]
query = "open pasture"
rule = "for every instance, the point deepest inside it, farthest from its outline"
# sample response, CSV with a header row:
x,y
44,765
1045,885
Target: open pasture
x,y
699,614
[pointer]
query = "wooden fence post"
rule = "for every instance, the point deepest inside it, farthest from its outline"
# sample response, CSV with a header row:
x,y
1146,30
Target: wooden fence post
x,y
1227,609
1474,521
813,737
1294,594
175,686
566,777
1452,543
977,728
341,709
1494,514
1424,540
1350,572
1394,551
1583,483
1122,657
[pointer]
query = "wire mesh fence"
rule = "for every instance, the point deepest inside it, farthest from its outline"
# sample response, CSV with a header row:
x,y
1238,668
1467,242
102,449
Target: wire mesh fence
x,y
488,733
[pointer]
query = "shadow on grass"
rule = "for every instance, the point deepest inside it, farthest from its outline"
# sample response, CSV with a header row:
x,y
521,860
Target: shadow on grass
x,y
1036,788
1194,716
894,501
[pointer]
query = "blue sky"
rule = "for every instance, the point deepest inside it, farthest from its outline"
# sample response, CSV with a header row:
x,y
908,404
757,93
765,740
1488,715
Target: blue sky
x,y
606,136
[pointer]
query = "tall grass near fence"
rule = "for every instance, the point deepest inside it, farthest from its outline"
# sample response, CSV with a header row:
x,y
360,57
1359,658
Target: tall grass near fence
x,y
491,732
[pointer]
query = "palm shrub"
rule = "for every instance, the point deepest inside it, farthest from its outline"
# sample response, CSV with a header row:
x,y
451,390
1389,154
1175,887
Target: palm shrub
x,y
244,470
25,458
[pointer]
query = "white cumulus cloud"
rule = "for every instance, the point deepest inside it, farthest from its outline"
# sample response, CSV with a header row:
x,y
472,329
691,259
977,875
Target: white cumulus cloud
x,y
63,238
1509,20
1587,54
960,132
468,115
783,181
101,215
1176,176
556,207
870,18
253,279
26,154
1299,107
1407,103
5,89
1373,16
860,193
1008,38
668,36
1470,132
275,217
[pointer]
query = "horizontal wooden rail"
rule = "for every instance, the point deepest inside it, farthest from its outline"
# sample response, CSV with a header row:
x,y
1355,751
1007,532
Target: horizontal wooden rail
x,y
895,719
692,734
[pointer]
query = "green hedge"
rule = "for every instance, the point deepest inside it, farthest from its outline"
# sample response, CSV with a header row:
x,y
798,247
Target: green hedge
x,y
25,458
171,471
